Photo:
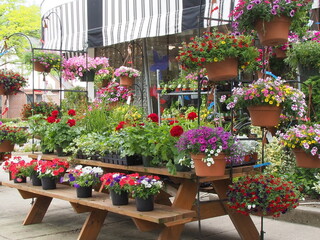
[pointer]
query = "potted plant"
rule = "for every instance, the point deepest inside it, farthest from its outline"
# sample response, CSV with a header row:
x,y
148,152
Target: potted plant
x,y
10,135
117,184
50,171
262,194
113,94
83,178
44,108
303,140
271,19
126,75
61,131
143,189
209,149
266,99
43,61
17,167
32,166
11,82
84,67
217,52
102,80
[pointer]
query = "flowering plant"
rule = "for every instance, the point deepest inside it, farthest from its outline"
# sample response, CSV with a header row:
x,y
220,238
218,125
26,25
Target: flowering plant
x,y
144,186
18,166
262,193
84,176
210,141
118,182
16,135
247,12
44,108
11,81
113,93
216,47
77,66
304,136
126,71
269,92
53,168
48,59
61,131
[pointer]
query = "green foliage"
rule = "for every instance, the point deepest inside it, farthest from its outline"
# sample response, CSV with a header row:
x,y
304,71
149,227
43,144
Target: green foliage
x,y
95,120
42,107
16,135
75,100
314,83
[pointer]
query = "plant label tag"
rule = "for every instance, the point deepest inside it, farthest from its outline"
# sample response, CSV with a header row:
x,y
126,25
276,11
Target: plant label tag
x,y
129,100
39,157
269,137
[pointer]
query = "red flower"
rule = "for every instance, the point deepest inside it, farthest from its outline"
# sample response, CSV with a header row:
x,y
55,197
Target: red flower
x,y
173,122
153,117
55,113
71,112
192,116
176,131
71,122
51,119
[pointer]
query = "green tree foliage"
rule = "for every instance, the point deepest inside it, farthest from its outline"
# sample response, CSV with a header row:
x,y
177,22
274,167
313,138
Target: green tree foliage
x,y
17,18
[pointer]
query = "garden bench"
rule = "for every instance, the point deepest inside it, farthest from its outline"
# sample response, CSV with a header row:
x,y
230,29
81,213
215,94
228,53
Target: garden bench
x,y
183,186
98,206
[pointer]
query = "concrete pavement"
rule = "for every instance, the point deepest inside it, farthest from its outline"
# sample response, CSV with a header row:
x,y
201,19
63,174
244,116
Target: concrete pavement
x,y
61,222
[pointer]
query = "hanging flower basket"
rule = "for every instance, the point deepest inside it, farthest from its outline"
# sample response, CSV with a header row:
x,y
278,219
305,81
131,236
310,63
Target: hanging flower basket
x,y
224,70
264,115
41,68
126,81
306,160
280,53
6,146
216,169
275,32
88,76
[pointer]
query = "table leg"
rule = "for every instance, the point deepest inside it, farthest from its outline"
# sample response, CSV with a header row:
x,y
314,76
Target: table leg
x,y
185,198
38,210
244,224
91,228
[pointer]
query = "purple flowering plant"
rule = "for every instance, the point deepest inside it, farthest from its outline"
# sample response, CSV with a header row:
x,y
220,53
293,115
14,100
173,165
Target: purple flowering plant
x,y
304,136
268,91
84,176
113,93
247,12
118,182
210,141
126,71
77,66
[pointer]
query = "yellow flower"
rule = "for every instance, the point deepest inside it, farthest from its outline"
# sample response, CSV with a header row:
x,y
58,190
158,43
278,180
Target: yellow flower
x,y
223,42
215,59
243,67
270,102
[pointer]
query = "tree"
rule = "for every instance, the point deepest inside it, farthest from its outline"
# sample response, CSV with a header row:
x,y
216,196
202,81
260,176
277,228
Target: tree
x,y
16,18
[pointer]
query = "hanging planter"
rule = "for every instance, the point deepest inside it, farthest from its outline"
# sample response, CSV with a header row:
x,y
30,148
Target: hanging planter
x,y
224,70
6,146
306,160
127,75
280,53
264,115
88,76
203,170
41,68
11,82
275,32
126,81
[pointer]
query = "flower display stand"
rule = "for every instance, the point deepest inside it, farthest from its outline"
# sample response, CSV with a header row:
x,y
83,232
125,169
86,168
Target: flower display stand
x,y
306,160
224,70
119,199
216,169
265,115
275,32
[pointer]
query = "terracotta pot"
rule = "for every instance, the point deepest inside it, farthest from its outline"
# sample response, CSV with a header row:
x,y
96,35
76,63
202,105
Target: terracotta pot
x,y
6,146
41,68
224,70
126,81
265,115
306,160
275,32
216,169
280,53
2,90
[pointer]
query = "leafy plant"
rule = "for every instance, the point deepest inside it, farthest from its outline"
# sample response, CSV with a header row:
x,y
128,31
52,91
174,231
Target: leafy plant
x,y
16,135
44,108
11,81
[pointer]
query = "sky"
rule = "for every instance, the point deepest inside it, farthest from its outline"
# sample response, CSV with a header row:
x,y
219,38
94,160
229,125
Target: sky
x,y
33,2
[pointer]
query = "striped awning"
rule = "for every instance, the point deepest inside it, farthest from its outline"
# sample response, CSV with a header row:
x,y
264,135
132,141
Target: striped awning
x,y
96,23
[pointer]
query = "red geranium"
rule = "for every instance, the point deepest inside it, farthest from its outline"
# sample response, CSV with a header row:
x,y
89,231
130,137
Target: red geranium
x,y
176,131
71,112
192,116
51,119
153,117
71,122
55,113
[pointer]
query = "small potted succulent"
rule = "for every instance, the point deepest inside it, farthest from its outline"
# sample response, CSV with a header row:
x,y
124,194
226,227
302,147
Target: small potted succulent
x,y
126,75
11,82
303,140
49,172
83,178
209,149
271,19
143,189
262,194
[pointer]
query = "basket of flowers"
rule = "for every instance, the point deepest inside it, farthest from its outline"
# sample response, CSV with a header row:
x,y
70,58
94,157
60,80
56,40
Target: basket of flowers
x,y
127,75
11,82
